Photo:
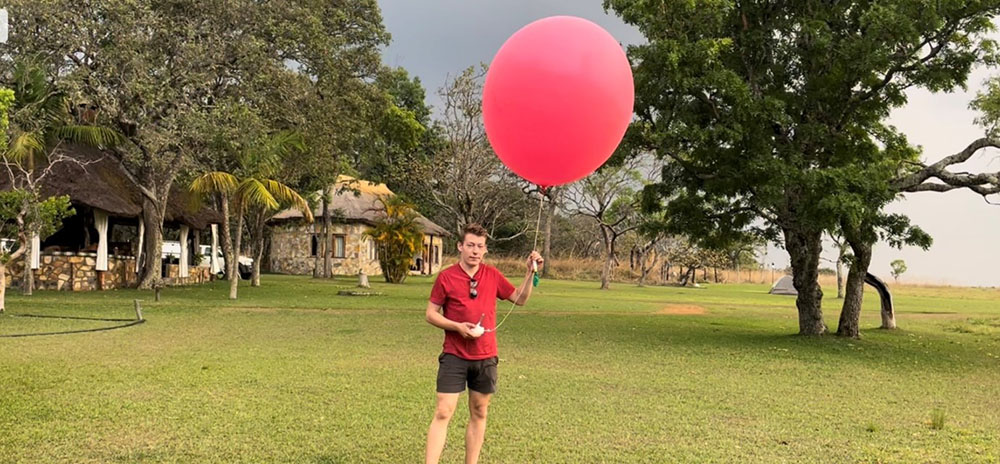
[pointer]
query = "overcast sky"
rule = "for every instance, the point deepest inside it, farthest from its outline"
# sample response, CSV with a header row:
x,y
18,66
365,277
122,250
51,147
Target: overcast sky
x,y
437,38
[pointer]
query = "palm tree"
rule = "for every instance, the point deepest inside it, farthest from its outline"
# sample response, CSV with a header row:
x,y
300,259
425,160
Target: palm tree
x,y
40,122
251,193
397,236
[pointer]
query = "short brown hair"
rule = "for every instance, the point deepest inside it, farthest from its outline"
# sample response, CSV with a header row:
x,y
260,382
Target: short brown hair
x,y
474,229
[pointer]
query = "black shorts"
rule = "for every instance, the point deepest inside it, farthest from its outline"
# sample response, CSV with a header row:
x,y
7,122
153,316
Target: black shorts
x,y
454,373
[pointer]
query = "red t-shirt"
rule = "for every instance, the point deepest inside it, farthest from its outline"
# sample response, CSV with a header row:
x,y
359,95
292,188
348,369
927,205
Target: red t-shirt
x,y
451,291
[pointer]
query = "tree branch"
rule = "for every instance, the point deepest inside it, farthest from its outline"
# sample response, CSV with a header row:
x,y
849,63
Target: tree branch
x,y
983,183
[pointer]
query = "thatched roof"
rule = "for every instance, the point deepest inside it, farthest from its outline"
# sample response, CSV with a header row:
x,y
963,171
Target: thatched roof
x,y
180,209
98,180
357,201
95,180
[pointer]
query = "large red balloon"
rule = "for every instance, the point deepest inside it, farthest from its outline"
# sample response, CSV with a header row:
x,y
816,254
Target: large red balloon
x,y
557,100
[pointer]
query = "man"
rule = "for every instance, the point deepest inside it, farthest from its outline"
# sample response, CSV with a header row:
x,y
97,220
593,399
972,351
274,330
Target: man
x,y
467,293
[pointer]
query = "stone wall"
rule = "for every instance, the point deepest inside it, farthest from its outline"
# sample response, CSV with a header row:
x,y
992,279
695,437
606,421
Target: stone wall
x,y
291,250
76,271
196,275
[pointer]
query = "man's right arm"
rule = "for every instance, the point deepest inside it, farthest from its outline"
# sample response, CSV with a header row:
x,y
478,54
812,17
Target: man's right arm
x,y
435,318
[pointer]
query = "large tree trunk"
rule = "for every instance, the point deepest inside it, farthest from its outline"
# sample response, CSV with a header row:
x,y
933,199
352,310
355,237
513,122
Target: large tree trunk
x,y
327,237
888,313
258,248
609,259
259,255
850,315
3,287
804,248
3,276
28,280
317,261
547,243
840,278
643,269
152,216
234,276
227,237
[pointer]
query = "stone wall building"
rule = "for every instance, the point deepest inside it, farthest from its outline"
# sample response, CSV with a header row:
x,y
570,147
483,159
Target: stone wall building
x,y
296,247
100,246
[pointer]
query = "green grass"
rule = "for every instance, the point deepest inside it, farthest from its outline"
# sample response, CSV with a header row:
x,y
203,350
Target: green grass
x,y
292,372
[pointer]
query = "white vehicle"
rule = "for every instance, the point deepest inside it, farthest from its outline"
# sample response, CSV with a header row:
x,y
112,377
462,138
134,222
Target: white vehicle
x,y
172,251
206,251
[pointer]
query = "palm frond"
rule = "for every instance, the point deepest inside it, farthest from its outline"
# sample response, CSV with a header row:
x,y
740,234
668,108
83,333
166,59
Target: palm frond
x,y
287,196
214,182
252,193
24,145
287,142
94,136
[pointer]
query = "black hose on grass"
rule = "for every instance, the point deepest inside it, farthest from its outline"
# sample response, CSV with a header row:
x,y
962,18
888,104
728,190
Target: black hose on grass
x,y
99,329
138,320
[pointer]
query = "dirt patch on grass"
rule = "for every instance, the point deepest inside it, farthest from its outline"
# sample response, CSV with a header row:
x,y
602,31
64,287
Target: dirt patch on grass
x,y
681,310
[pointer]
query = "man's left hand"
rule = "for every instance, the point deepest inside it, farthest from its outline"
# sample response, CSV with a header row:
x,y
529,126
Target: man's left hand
x,y
533,258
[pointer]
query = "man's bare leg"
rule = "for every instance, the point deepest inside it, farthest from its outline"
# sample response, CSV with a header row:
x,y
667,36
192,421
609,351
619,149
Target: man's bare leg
x,y
474,434
438,431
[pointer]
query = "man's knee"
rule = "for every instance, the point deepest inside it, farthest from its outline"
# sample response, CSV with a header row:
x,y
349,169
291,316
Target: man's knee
x,y
479,412
444,410
479,409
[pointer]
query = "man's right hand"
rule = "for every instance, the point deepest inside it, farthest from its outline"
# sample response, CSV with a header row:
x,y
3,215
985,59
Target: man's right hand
x,y
465,328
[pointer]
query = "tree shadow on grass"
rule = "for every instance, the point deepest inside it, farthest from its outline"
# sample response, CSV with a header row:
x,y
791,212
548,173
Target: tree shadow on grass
x,y
889,349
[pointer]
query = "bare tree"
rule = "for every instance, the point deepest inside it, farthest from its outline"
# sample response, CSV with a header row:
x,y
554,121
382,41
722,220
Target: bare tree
x,y
610,198
469,184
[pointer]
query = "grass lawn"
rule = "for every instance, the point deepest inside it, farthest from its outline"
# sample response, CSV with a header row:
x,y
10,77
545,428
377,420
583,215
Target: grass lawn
x,y
292,372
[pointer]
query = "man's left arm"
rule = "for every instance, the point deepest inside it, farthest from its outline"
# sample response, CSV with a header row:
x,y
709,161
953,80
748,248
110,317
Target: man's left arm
x,y
522,293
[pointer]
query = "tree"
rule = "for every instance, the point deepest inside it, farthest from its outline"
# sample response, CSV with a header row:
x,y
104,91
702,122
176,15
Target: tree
x,y
398,153
397,236
46,215
860,235
775,113
254,196
648,252
22,212
468,184
610,198
41,122
152,67
898,268
863,230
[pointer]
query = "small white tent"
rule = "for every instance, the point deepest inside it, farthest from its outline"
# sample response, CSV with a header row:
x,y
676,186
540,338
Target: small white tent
x,y
784,286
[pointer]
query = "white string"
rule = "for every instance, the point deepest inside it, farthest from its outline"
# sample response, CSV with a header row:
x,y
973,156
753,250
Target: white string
x,y
538,223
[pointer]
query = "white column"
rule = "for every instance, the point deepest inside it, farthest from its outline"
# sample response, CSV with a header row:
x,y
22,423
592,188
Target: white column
x,y
183,272
216,267
142,234
4,25
36,245
101,223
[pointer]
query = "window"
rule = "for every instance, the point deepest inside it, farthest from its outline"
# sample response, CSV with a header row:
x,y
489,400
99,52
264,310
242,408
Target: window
x,y
315,245
372,250
437,254
339,248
